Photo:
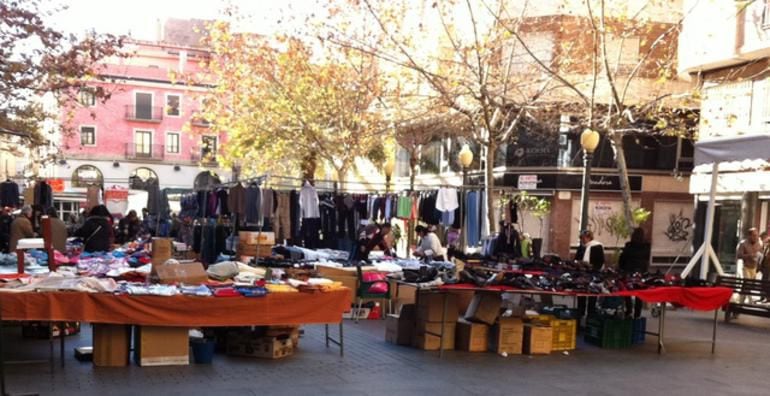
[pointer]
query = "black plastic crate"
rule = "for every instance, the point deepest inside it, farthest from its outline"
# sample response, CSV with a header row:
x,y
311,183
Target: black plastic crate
x,y
608,332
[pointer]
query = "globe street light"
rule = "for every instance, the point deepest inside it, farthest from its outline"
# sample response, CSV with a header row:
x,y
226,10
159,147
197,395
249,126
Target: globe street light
x,y
589,139
466,158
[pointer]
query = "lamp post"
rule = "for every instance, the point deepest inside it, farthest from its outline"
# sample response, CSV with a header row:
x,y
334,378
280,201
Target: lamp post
x,y
589,139
466,158
388,168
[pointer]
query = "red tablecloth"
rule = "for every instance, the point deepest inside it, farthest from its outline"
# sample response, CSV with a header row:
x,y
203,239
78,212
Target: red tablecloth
x,y
180,311
698,298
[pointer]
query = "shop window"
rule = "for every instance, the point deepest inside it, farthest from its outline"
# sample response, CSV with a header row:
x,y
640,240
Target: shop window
x,y
87,175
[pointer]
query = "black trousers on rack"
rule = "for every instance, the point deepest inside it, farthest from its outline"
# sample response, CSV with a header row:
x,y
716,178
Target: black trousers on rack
x,y
311,228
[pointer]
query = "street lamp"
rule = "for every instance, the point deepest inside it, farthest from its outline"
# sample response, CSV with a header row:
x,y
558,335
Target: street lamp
x,y
466,158
589,139
389,167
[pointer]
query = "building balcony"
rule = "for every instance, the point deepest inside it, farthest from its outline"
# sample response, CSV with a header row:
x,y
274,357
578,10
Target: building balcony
x,y
200,122
205,160
154,152
144,114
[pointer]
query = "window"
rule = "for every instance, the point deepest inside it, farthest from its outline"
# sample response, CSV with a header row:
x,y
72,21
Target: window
x,y
88,97
172,142
87,175
143,106
766,14
209,148
173,105
87,136
143,144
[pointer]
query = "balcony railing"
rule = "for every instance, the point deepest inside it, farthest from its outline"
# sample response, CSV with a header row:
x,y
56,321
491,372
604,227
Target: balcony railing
x,y
144,113
200,122
150,152
209,161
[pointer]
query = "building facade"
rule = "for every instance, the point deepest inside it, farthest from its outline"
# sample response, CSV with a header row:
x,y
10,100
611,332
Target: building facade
x,y
148,128
546,158
731,60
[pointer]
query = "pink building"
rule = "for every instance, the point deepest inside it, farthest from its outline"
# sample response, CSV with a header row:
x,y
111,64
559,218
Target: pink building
x,y
149,127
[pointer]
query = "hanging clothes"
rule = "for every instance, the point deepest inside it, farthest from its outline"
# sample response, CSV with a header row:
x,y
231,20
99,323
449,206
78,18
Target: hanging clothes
x,y
29,195
9,194
484,219
308,202
446,199
253,200
268,203
236,200
282,223
472,220
43,195
223,209
404,209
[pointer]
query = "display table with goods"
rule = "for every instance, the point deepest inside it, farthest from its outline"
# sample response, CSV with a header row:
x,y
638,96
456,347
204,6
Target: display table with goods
x,y
163,298
477,296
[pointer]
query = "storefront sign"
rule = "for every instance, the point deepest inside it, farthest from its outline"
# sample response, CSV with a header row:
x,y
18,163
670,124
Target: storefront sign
x,y
527,182
57,185
116,195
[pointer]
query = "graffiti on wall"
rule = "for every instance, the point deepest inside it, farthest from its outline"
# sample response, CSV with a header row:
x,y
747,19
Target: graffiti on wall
x,y
679,227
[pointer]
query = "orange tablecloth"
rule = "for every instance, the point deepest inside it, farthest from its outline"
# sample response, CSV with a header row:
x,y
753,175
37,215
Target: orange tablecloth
x,y
178,311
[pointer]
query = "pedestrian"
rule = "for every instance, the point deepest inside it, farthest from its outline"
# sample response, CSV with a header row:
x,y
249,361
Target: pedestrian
x,y
96,232
590,252
750,251
5,228
507,242
21,228
129,227
430,245
58,231
635,258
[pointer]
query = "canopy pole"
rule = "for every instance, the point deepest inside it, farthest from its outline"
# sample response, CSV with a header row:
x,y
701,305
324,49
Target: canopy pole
x,y
706,251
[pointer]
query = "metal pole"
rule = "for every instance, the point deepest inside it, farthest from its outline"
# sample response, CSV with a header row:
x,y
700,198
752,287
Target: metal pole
x,y
714,333
709,230
587,157
463,236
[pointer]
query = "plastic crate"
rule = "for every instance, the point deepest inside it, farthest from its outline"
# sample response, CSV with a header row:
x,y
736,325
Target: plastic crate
x,y
638,331
564,331
608,332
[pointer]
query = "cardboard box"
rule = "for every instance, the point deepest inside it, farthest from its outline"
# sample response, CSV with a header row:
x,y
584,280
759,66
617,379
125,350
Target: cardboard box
x,y
161,346
255,250
256,238
162,250
408,312
189,273
484,308
430,307
399,331
472,337
430,342
538,339
111,345
507,336
250,345
464,298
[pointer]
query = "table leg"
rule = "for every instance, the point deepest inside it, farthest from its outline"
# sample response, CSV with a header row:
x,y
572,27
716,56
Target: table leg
x,y
714,334
342,341
50,346
19,261
661,328
2,355
326,331
443,322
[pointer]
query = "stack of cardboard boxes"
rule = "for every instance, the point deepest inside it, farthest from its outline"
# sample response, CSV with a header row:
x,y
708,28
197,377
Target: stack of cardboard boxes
x,y
273,342
255,244
480,329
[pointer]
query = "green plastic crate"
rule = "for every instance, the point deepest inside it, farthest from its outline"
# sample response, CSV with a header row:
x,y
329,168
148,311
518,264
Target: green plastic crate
x,y
608,332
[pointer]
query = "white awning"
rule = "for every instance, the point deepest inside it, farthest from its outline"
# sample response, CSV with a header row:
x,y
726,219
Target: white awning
x,y
741,148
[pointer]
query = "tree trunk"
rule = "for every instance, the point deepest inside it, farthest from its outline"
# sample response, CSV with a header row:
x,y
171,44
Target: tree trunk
x,y
412,169
490,184
309,165
342,173
620,158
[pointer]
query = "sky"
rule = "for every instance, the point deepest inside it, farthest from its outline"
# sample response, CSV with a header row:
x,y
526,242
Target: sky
x,y
139,17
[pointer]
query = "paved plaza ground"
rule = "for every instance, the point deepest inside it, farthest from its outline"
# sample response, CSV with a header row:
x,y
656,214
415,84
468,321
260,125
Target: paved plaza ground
x,y
372,367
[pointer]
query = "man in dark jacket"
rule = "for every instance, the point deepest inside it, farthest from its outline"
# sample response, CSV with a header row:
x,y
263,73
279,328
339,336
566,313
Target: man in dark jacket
x,y
635,258
21,228
97,230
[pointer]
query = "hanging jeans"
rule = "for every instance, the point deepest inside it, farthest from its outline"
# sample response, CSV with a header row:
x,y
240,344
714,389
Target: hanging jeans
x,y
346,220
472,220
311,228
282,217
329,225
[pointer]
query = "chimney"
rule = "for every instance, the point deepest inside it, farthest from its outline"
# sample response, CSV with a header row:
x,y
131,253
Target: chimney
x,y
158,30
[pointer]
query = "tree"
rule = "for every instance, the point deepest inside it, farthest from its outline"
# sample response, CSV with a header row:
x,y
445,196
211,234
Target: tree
x,y
284,108
39,60
618,94
461,67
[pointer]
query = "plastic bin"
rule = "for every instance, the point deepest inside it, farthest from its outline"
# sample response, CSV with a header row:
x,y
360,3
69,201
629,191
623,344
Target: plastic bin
x,y
638,331
609,332
203,351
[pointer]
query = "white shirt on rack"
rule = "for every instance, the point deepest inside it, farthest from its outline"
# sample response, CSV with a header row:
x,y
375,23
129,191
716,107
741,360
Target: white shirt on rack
x,y
308,202
446,201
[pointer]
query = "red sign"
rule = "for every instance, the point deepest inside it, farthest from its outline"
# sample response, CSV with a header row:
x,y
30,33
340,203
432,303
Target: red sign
x,y
116,195
57,185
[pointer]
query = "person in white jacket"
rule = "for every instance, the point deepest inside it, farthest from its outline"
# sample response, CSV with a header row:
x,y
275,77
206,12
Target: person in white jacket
x,y
430,245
